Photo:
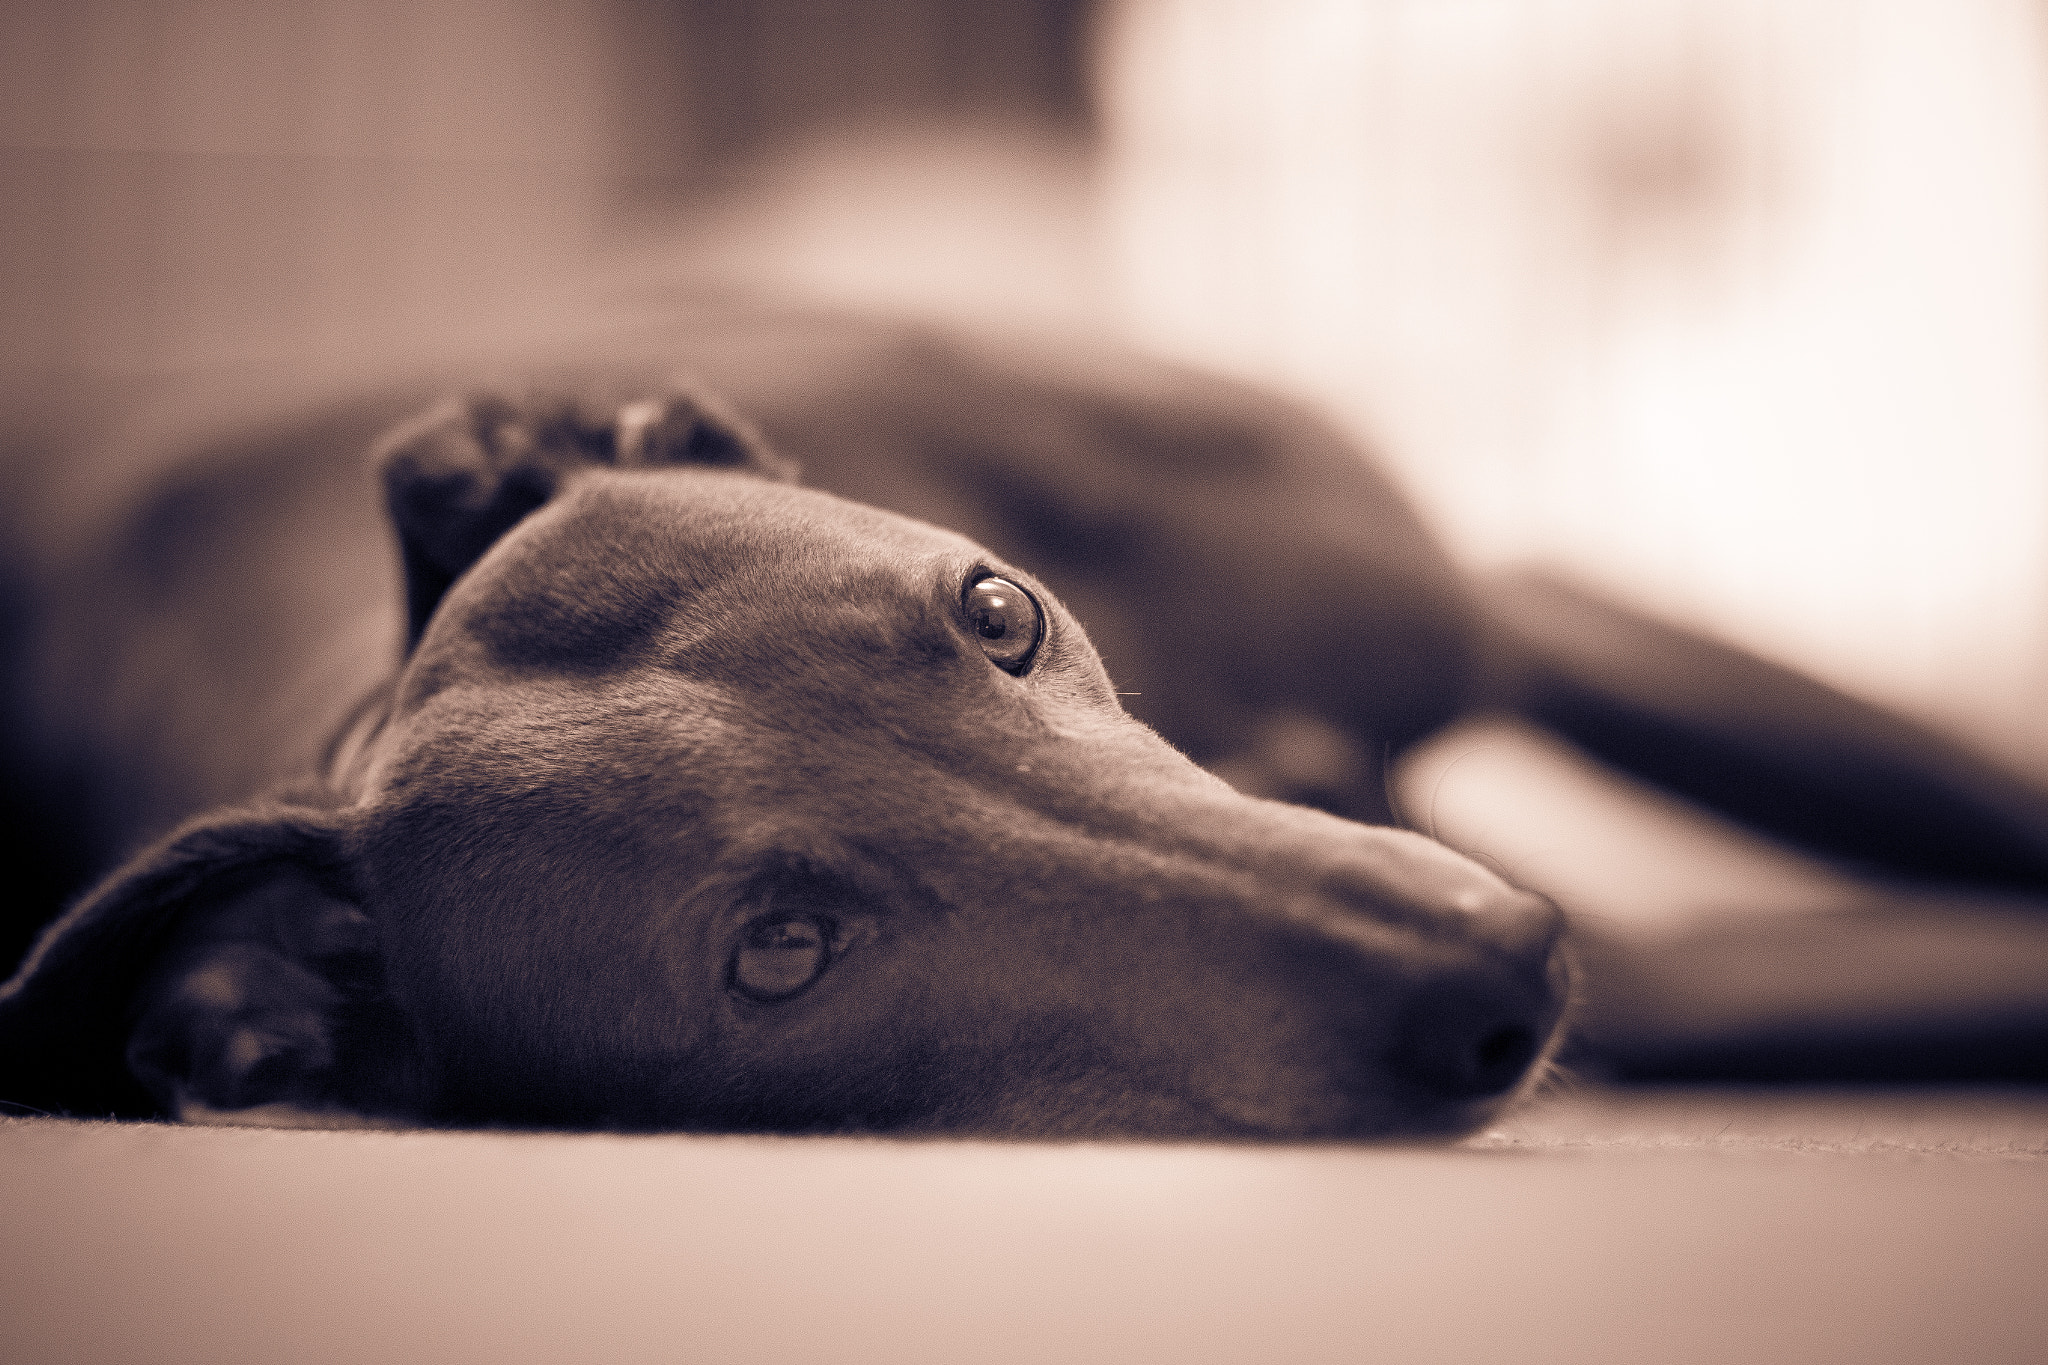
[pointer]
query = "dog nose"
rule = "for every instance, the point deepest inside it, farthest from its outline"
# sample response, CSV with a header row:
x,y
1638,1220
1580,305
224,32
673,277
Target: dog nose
x,y
1519,925
1470,1034
1409,877
1486,978
1471,1030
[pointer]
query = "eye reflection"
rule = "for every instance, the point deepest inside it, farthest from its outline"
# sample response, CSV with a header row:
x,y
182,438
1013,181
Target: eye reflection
x,y
1006,622
779,957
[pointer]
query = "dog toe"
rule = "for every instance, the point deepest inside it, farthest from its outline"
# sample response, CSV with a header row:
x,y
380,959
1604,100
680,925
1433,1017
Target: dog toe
x,y
236,1027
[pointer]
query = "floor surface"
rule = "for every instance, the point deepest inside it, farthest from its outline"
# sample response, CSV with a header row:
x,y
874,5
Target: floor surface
x,y
1669,1225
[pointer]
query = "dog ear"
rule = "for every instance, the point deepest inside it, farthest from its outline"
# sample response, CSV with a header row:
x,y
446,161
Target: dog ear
x,y
227,967
458,477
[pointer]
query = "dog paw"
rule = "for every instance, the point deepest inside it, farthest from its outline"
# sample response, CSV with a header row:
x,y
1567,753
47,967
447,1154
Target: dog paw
x,y
234,1027
463,474
682,428
459,475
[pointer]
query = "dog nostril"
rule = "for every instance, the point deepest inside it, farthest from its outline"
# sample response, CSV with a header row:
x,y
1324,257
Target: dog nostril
x,y
1502,1056
1465,1039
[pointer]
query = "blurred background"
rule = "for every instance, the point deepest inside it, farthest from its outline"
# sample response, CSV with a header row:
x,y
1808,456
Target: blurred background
x,y
1738,308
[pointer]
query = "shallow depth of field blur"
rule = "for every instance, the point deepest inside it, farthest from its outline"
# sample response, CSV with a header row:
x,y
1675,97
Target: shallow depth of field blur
x,y
1736,307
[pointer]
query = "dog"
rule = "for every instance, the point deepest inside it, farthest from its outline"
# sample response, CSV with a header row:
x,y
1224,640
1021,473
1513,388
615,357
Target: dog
x,y
610,778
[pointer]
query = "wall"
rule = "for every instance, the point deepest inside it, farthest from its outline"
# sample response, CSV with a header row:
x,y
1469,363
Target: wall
x,y
1739,307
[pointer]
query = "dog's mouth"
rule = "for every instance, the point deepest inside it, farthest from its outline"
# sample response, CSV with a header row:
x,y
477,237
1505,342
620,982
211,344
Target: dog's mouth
x,y
843,1014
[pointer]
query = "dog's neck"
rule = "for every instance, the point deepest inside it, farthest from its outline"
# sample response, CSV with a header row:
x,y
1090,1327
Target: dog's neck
x,y
345,764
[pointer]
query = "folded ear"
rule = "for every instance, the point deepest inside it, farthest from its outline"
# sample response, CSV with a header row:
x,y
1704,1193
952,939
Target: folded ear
x,y
463,474
230,966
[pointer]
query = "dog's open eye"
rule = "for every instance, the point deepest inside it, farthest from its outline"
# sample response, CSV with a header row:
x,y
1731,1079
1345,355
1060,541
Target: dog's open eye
x,y
779,957
1007,622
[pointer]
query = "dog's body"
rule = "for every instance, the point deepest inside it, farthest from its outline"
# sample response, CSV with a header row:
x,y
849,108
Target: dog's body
x,y
644,788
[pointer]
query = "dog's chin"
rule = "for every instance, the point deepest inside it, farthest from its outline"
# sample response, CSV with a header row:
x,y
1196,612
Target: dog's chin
x,y
1168,1122
1093,1114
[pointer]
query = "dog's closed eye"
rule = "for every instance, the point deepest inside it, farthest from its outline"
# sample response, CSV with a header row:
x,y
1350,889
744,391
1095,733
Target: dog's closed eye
x,y
779,956
1007,622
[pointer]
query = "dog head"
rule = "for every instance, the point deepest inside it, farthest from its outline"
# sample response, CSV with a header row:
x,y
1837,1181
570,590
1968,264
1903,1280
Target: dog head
x,y
704,800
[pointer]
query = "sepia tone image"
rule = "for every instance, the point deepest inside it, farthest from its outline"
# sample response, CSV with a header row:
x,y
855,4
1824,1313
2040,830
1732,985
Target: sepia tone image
x,y
1037,680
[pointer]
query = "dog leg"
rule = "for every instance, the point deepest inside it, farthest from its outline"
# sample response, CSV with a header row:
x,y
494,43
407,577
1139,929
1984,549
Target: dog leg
x,y
1772,749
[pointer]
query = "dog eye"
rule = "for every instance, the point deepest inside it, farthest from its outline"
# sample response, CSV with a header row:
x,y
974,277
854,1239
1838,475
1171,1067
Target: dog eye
x,y
1007,622
779,957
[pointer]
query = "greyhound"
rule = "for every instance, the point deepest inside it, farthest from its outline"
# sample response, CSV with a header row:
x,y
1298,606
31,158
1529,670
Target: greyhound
x,y
610,778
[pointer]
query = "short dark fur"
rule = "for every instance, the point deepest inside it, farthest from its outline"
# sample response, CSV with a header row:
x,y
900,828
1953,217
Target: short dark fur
x,y
475,841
